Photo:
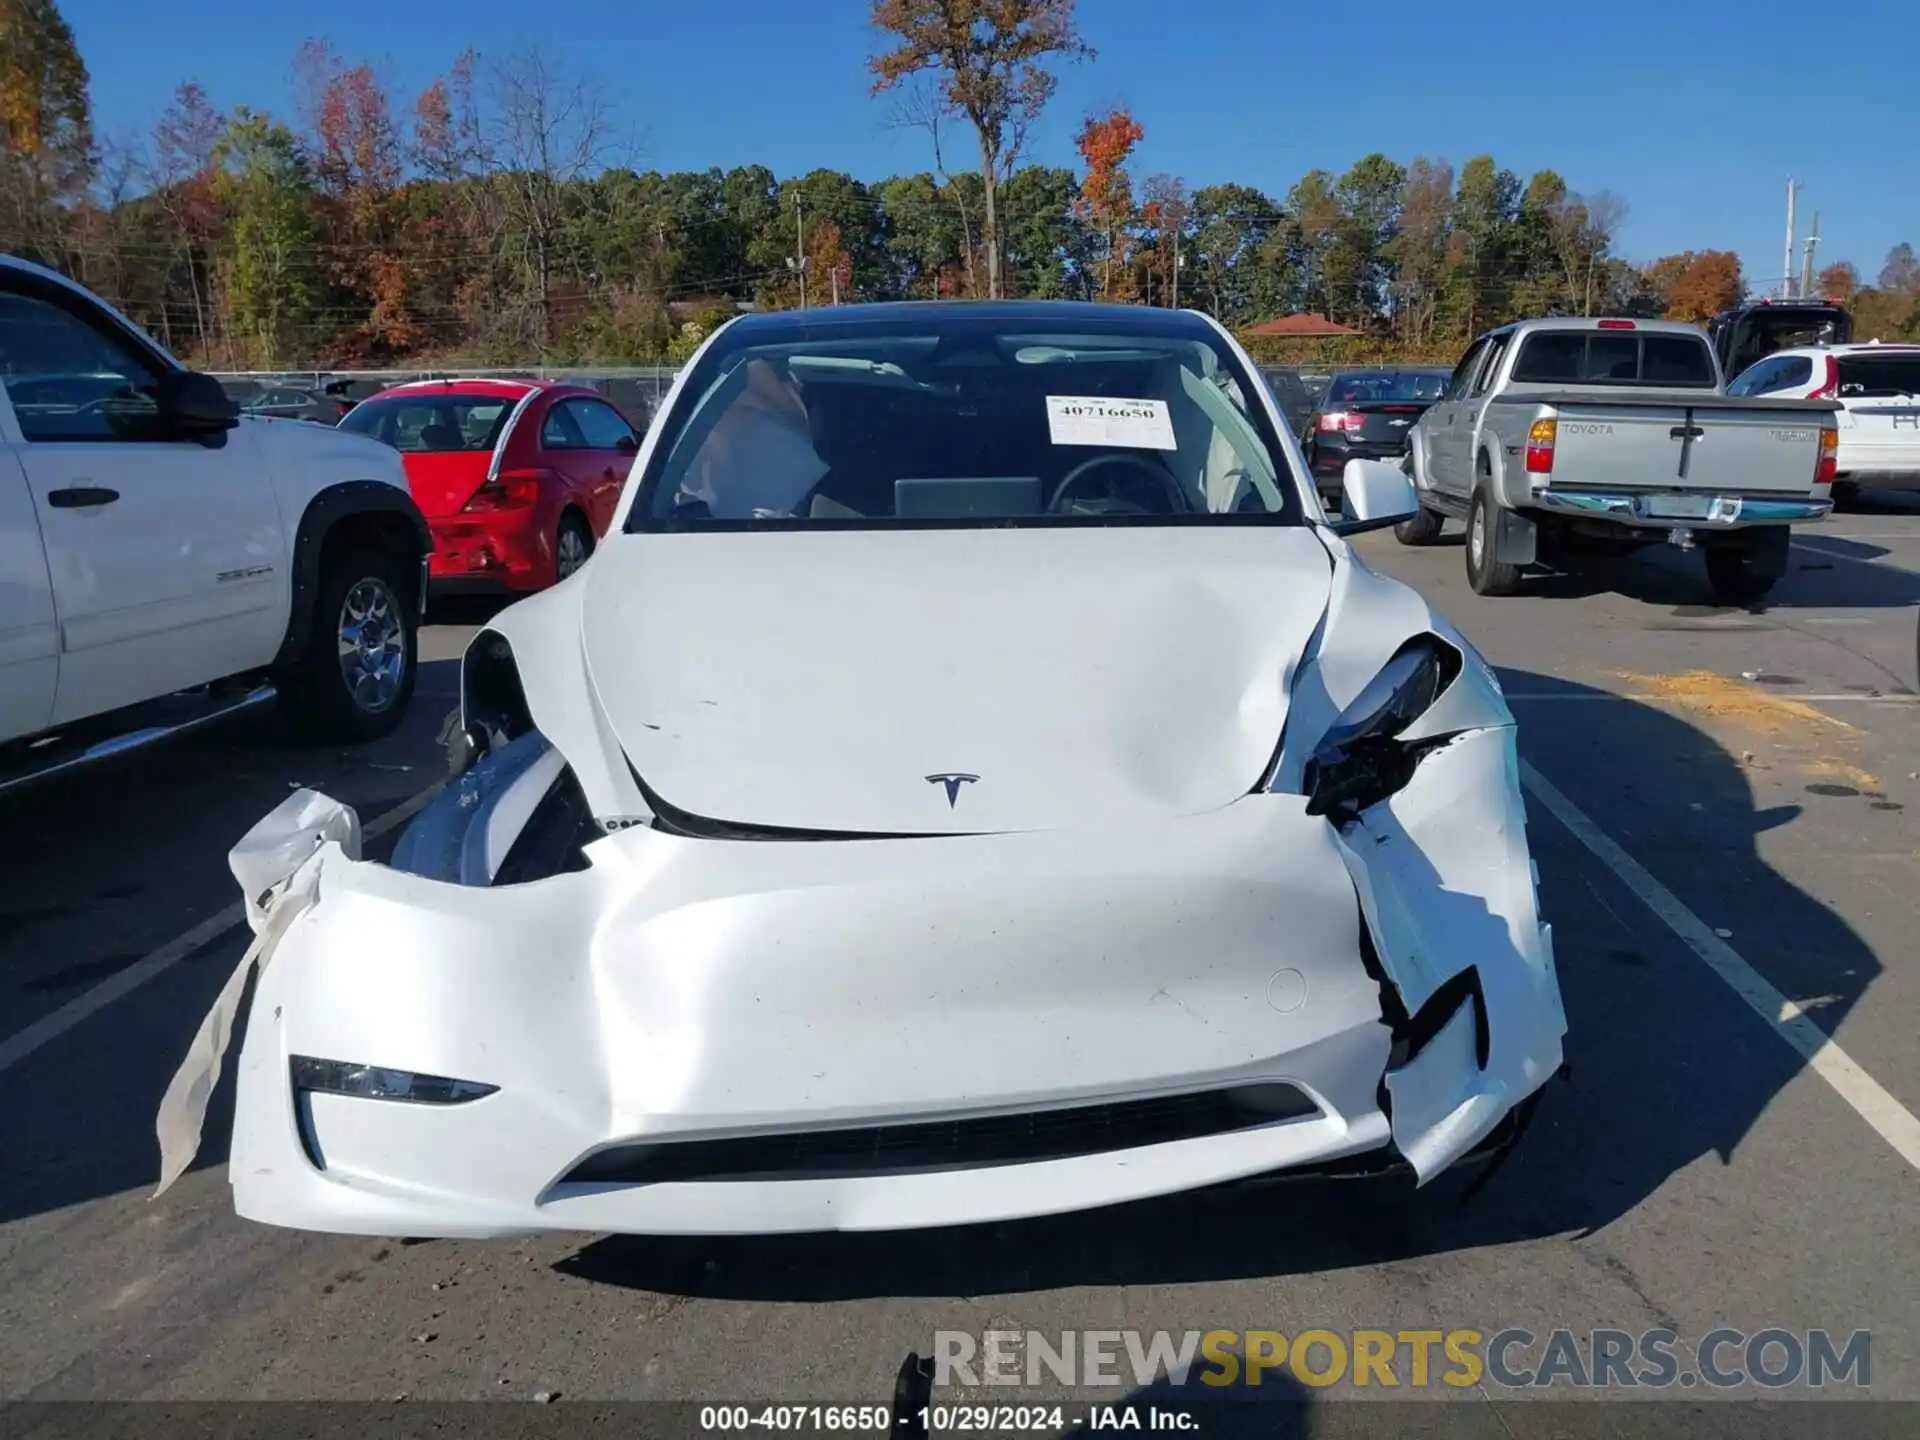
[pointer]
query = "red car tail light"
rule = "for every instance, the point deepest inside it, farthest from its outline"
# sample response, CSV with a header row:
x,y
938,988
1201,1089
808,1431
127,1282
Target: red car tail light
x,y
1829,386
1618,325
1333,420
1828,465
509,490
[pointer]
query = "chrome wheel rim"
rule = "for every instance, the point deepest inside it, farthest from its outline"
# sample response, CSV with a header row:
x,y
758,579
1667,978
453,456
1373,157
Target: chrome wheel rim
x,y
373,646
572,551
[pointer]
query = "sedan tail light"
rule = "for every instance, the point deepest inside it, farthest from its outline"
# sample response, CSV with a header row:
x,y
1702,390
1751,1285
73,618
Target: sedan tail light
x,y
1333,420
509,490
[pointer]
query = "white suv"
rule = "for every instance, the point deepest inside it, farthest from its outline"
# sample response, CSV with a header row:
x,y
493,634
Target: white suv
x,y
1878,390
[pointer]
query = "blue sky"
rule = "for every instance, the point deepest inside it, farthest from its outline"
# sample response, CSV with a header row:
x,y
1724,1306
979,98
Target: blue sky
x,y
1694,111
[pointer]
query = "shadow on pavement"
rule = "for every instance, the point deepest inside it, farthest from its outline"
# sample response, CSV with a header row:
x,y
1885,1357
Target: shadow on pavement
x,y
1828,573
100,868
1667,1067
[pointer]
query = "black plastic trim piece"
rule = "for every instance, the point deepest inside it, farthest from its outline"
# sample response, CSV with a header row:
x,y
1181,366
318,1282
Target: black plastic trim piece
x,y
1032,1137
672,820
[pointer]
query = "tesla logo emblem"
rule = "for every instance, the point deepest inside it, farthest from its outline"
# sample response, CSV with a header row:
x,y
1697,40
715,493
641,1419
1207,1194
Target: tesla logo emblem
x,y
953,784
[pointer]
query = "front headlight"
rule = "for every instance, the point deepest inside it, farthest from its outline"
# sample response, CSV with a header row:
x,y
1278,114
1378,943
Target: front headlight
x,y
1361,760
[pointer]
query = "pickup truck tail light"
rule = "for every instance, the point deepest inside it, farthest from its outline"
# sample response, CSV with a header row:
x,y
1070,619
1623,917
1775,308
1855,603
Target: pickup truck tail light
x,y
1540,440
1829,387
1349,420
1828,465
509,490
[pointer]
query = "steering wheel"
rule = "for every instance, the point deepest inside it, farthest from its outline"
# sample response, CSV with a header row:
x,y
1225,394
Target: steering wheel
x,y
1110,501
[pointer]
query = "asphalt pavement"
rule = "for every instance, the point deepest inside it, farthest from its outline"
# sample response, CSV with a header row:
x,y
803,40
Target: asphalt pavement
x,y
1723,808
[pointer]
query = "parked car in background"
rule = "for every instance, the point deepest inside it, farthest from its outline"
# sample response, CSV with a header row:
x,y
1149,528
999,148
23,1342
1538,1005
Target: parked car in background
x,y
1746,334
165,558
1290,392
1366,415
324,406
1878,390
1558,435
517,478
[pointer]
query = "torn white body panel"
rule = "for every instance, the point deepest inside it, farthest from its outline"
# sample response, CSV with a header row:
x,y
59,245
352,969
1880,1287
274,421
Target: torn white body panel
x,y
682,991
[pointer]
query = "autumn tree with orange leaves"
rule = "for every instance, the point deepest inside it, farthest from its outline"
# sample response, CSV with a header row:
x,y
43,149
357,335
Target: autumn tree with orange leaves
x,y
1696,286
1106,192
358,160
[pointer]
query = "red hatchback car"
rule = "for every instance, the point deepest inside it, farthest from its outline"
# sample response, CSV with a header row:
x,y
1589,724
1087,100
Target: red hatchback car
x,y
517,478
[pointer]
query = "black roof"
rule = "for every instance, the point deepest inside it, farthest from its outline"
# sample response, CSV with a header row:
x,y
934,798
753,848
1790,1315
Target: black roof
x,y
1146,319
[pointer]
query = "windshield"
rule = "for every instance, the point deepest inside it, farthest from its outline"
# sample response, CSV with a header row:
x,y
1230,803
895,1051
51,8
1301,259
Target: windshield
x,y
1385,387
431,424
933,417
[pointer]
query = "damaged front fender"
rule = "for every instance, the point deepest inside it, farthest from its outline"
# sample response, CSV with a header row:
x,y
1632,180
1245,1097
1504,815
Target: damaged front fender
x,y
1447,888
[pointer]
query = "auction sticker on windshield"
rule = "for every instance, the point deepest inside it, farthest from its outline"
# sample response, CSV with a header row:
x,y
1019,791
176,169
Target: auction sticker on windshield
x,y
1101,420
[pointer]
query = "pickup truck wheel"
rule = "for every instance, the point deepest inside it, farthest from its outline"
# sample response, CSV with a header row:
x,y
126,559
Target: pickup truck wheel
x,y
1485,574
353,677
1423,527
1736,576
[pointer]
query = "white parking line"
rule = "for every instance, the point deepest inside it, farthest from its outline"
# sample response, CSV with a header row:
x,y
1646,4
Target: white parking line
x,y
1890,1120
1815,547
22,1043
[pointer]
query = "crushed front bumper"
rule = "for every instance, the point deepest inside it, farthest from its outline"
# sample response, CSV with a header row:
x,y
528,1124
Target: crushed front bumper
x,y
712,1036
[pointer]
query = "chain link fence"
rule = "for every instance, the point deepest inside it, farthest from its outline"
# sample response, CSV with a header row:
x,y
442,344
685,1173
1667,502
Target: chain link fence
x,y
636,390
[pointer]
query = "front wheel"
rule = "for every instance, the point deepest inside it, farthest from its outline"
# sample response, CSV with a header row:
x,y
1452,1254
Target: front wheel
x,y
1486,574
352,677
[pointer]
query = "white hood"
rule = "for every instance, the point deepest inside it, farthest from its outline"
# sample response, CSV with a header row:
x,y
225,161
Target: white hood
x,y
816,679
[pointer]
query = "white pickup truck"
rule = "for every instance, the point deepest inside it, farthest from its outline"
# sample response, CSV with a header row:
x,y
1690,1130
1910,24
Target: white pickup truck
x,y
1558,435
164,559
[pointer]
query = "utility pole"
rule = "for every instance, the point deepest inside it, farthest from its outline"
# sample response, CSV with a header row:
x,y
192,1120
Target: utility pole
x,y
800,255
1786,285
1806,268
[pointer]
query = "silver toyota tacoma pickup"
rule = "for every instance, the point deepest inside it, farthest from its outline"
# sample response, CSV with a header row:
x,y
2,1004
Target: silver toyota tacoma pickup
x,y
1557,437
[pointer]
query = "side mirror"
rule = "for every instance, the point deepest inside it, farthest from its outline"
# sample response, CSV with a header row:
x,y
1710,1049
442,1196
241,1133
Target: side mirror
x,y
1374,495
192,403
627,445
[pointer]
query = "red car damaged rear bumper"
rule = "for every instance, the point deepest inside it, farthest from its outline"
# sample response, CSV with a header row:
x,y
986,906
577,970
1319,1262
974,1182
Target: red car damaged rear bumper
x,y
513,550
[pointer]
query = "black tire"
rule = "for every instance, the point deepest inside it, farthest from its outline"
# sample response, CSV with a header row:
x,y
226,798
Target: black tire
x,y
1423,527
314,689
1485,574
1738,576
1846,494
573,537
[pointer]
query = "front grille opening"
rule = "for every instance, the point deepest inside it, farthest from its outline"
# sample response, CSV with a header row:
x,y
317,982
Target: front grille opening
x,y
948,1144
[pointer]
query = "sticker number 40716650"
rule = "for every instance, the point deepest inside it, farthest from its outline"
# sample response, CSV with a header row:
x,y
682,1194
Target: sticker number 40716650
x,y
1102,420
